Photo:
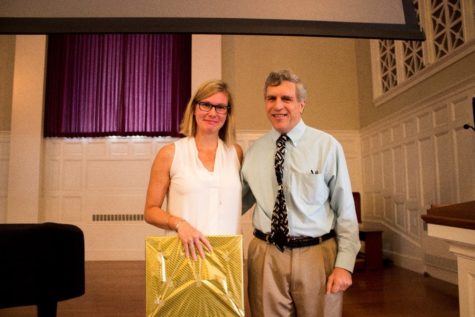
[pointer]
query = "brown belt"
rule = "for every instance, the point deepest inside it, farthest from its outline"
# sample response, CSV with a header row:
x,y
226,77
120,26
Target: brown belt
x,y
299,242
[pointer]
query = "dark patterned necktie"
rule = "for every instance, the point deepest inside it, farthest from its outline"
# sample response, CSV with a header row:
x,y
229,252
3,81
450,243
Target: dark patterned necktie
x,y
280,227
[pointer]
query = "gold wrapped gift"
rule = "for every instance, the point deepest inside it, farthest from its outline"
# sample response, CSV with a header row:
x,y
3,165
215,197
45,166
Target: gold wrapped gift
x,y
180,286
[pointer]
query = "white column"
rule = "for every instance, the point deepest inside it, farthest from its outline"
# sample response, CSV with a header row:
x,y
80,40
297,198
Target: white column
x,y
462,244
24,172
466,277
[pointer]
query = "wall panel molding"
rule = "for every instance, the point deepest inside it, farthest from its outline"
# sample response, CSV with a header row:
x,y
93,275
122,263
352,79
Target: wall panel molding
x,y
418,157
106,178
86,179
93,178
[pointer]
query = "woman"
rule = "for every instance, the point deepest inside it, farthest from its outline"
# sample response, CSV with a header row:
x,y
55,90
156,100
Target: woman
x,y
199,174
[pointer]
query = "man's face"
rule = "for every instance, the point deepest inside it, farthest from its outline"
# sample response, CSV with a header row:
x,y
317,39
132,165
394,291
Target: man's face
x,y
283,109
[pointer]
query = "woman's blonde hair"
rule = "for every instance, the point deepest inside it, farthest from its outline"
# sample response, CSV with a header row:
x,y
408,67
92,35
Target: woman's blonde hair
x,y
227,133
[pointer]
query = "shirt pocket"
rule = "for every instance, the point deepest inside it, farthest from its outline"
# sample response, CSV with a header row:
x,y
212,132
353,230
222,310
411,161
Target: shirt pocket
x,y
311,188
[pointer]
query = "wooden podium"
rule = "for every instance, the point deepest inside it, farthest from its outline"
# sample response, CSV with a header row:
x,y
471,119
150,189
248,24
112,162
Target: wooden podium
x,y
456,224
372,237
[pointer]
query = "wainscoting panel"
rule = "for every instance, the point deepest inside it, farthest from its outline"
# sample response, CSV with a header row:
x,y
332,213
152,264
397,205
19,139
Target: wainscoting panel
x,y
415,158
99,184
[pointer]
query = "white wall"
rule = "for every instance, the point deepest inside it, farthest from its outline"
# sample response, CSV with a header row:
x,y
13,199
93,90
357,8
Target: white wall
x,y
206,59
415,158
25,179
99,185
410,159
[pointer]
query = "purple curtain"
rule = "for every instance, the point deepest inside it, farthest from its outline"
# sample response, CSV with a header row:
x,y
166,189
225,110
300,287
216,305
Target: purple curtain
x,y
116,84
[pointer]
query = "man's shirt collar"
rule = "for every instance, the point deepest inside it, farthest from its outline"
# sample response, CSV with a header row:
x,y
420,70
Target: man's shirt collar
x,y
294,135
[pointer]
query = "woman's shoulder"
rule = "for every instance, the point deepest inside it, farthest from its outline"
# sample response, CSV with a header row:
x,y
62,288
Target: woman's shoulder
x,y
166,152
184,140
231,150
239,152
183,143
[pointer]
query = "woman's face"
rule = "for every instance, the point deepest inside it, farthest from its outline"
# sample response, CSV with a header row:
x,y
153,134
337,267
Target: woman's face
x,y
211,113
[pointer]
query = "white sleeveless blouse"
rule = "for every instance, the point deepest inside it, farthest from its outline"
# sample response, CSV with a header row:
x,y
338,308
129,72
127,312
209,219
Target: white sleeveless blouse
x,y
210,201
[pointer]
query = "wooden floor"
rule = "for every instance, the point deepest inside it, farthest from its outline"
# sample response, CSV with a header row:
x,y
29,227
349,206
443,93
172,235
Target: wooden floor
x,y
399,292
117,289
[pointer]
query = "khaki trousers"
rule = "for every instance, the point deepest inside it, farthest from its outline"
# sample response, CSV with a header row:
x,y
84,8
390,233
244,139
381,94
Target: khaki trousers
x,y
293,282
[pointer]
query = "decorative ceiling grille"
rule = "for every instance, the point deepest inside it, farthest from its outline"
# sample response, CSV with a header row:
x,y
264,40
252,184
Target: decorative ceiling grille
x,y
412,50
413,58
444,22
387,51
447,25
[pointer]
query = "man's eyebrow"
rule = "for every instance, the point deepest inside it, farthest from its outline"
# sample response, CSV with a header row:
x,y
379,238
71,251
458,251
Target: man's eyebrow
x,y
283,97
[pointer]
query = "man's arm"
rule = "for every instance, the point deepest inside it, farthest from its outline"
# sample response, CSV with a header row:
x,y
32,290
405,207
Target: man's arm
x,y
248,199
342,204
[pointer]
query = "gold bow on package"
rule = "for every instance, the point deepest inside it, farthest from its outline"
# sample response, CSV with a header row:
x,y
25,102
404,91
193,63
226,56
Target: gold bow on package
x,y
180,286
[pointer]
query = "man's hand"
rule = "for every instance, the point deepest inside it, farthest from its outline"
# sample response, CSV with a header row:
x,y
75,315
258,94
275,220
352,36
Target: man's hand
x,y
338,281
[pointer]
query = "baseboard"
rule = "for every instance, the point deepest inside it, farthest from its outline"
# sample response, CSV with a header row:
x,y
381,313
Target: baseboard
x,y
410,263
115,255
442,274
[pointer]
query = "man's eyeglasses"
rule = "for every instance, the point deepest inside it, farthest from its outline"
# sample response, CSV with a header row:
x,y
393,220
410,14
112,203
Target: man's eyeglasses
x,y
206,106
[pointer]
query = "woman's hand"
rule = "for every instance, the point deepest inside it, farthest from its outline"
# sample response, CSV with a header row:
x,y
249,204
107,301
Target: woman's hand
x,y
193,241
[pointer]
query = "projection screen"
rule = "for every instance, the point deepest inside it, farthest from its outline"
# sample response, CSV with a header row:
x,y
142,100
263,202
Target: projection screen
x,y
379,19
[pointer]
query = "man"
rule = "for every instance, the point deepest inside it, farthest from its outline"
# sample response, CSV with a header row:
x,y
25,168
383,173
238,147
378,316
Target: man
x,y
306,230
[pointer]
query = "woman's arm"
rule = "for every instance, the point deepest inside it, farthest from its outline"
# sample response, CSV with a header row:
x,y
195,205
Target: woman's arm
x,y
158,187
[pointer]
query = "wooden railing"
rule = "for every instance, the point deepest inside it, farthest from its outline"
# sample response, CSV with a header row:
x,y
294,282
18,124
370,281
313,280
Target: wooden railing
x,y
458,215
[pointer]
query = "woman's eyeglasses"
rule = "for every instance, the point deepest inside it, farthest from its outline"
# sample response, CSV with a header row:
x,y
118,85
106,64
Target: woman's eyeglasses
x,y
220,108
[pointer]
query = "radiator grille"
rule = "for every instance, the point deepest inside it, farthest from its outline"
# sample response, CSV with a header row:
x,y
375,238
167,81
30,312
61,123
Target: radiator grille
x,y
116,217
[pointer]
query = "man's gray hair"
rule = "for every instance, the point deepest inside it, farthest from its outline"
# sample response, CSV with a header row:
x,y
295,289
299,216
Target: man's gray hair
x,y
277,77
